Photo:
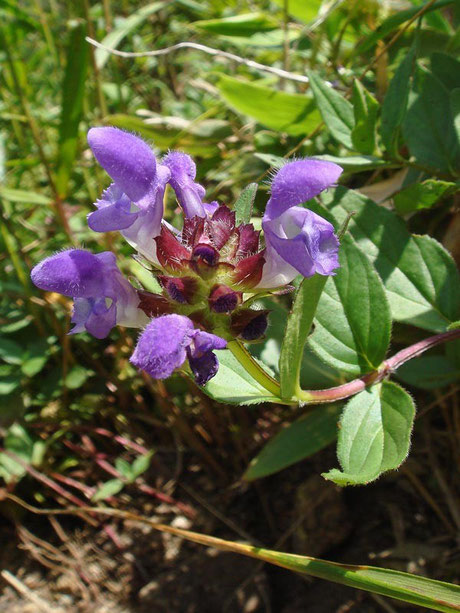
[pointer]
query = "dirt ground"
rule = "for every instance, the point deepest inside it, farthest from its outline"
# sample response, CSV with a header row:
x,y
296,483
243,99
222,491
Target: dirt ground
x,y
408,520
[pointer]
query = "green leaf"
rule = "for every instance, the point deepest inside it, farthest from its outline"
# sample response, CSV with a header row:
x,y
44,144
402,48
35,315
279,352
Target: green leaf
x,y
127,25
76,377
297,329
374,434
8,383
421,195
18,441
243,206
436,145
357,163
455,108
337,113
234,385
22,195
108,489
141,464
124,468
294,114
428,593
429,372
394,21
298,441
420,277
72,92
395,103
446,69
238,25
365,108
353,321
10,351
301,10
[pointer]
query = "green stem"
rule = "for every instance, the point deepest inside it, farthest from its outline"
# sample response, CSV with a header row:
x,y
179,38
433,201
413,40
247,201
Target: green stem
x,y
253,368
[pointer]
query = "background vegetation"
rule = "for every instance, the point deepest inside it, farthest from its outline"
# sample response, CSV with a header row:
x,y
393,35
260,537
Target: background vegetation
x,y
80,425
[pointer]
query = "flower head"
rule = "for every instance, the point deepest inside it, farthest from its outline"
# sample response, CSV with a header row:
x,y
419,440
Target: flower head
x,y
209,271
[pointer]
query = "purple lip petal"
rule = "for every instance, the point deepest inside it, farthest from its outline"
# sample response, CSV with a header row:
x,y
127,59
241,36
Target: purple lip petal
x,y
189,194
161,346
304,240
126,158
166,343
113,211
298,182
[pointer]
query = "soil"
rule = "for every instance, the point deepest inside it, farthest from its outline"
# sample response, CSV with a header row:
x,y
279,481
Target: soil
x,y
408,520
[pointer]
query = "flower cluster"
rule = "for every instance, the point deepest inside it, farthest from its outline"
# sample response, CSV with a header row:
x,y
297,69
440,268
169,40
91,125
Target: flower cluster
x,y
208,270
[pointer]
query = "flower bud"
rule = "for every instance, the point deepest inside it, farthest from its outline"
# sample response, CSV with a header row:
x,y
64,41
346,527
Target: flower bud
x,y
248,324
223,299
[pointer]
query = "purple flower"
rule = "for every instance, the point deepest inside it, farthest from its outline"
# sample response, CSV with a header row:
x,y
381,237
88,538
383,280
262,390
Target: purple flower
x,y
134,202
189,194
298,240
169,340
103,298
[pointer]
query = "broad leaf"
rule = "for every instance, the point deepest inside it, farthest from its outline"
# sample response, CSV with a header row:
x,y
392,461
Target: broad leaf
x,y
374,434
436,145
395,103
420,277
446,69
294,114
301,439
22,195
234,385
429,372
297,329
357,163
365,108
353,321
301,10
336,111
421,195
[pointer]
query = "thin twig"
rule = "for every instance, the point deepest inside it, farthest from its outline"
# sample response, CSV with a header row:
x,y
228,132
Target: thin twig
x,y
284,74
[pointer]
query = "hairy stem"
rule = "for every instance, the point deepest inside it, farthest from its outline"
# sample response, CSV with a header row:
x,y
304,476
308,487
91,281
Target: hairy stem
x,y
253,368
388,366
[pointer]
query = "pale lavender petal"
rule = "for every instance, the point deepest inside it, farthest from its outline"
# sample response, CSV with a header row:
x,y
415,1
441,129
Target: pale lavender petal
x,y
161,347
142,232
113,211
298,182
211,207
126,158
189,194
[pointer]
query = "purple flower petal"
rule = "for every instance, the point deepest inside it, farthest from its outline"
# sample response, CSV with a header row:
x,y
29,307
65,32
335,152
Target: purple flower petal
x,y
126,158
161,347
204,367
205,341
299,181
303,240
101,319
113,211
189,194
102,296
76,273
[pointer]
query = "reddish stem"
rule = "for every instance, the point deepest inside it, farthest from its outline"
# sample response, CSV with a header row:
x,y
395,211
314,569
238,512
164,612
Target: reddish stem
x,y
388,366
